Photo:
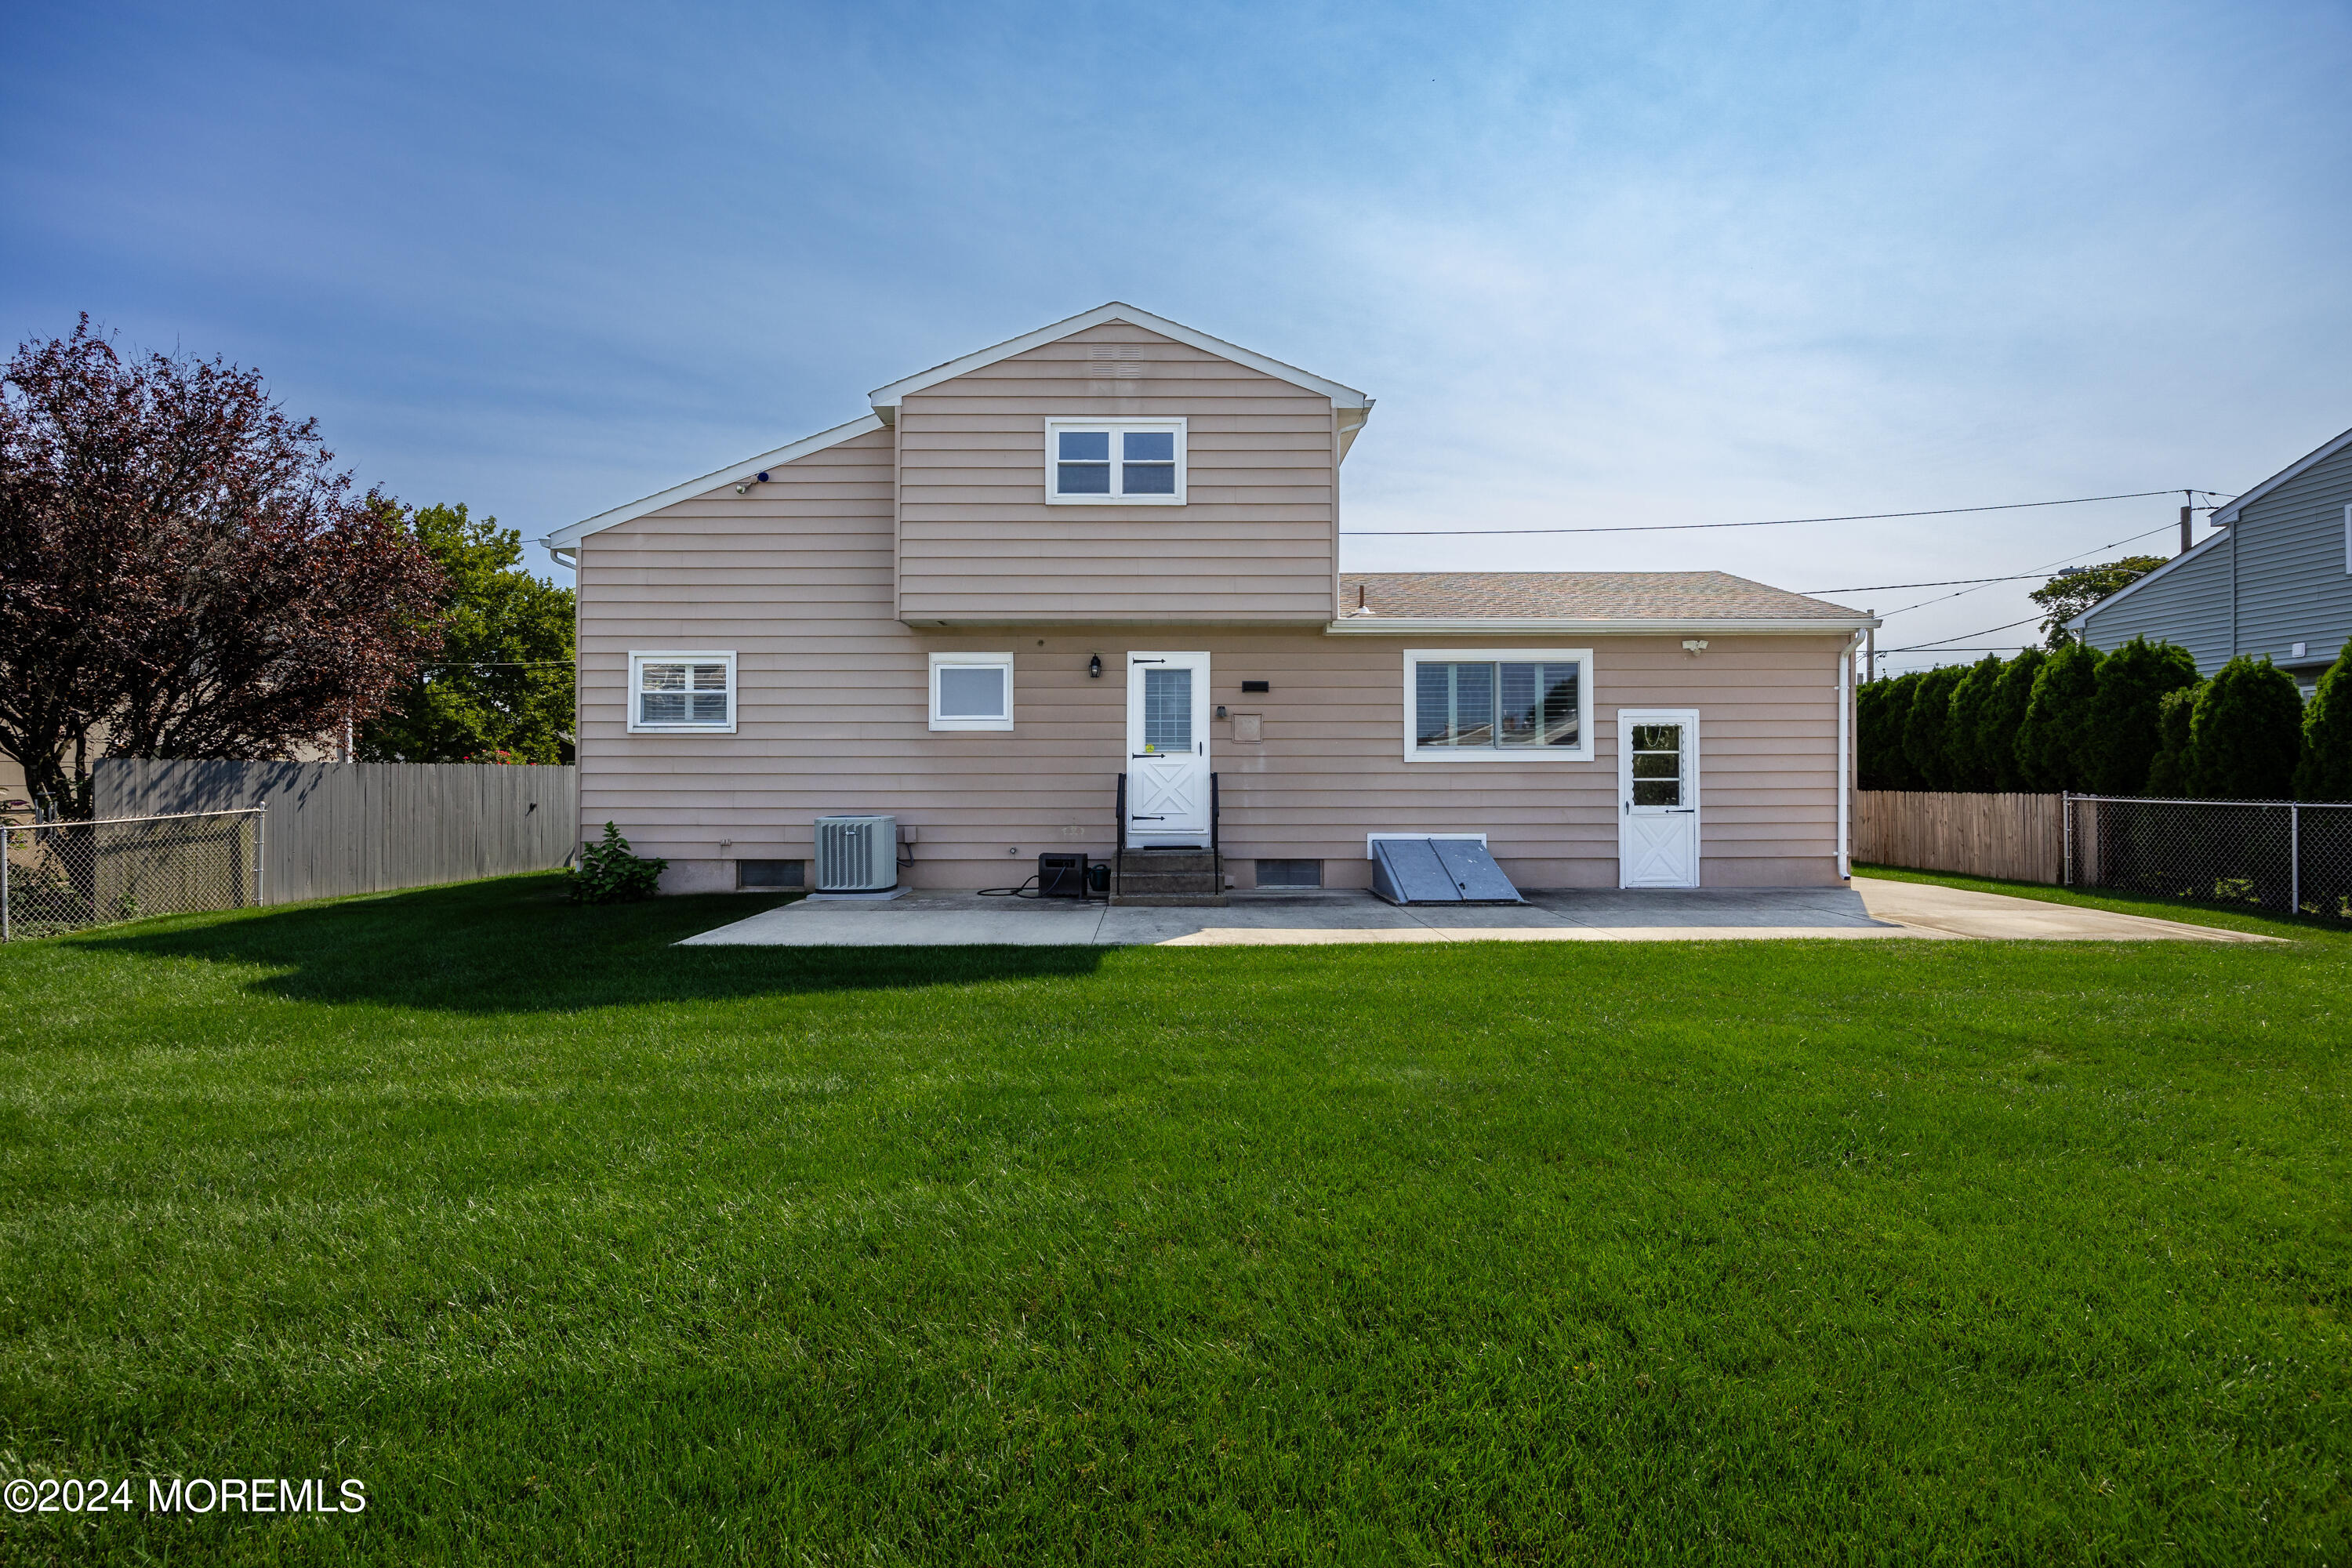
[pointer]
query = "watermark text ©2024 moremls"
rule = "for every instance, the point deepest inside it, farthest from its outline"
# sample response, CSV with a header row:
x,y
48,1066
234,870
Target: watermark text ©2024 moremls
x,y
190,1495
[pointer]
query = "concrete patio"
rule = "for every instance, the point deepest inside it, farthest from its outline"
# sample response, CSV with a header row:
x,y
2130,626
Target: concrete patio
x,y
1871,909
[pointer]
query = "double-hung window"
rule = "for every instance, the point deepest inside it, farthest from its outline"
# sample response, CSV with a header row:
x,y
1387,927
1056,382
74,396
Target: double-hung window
x,y
688,691
1498,705
971,691
1130,462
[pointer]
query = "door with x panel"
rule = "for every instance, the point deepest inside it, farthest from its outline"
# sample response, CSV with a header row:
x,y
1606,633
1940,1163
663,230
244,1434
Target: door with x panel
x,y
1657,797
1167,748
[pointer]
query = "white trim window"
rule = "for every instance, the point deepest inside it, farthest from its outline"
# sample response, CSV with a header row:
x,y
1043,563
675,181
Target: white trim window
x,y
1498,705
971,691
1115,462
692,692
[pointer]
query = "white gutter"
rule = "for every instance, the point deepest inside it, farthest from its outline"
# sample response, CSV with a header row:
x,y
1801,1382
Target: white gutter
x,y
1475,625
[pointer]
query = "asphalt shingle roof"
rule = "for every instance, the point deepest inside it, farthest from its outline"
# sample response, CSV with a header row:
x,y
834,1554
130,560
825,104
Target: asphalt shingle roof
x,y
1577,595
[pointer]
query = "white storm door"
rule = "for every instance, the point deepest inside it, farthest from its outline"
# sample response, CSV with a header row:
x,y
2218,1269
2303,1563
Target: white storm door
x,y
1657,797
1167,748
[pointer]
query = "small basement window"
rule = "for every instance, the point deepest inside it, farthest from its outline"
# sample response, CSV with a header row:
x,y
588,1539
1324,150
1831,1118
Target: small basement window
x,y
1498,705
753,876
1122,463
694,691
1290,873
971,691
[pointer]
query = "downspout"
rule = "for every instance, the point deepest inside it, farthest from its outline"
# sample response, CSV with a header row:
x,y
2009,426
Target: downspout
x,y
2233,587
1845,747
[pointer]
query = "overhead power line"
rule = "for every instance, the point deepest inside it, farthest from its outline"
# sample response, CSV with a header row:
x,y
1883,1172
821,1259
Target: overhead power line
x,y
1764,522
2101,550
1937,646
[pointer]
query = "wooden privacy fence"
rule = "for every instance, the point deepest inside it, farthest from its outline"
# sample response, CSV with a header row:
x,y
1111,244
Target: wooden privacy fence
x,y
2020,838
334,828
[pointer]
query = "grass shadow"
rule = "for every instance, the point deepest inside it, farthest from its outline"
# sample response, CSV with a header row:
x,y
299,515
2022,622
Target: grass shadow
x,y
514,944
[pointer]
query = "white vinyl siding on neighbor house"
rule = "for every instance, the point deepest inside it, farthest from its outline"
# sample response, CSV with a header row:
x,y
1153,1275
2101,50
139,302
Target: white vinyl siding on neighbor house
x,y
971,691
1498,705
1115,462
689,691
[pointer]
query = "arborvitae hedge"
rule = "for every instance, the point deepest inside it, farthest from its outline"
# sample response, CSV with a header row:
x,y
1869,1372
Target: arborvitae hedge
x,y
1880,708
2246,735
1966,763
1928,725
2170,772
2325,771
2005,716
2120,738
2050,742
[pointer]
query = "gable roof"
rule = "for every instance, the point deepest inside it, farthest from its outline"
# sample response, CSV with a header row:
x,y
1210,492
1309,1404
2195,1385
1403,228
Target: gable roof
x,y
2228,514
2145,578
887,398
1588,601
573,533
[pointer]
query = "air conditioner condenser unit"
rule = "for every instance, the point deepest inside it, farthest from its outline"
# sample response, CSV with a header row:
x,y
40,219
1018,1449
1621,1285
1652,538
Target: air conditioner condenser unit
x,y
856,854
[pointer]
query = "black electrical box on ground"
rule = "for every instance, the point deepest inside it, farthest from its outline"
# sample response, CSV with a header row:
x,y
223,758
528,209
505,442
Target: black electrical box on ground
x,y
1061,876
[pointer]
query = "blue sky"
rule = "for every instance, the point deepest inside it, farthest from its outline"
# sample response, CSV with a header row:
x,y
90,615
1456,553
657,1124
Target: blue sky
x,y
1658,263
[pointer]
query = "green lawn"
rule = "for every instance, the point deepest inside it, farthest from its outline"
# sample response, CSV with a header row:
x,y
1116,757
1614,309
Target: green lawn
x,y
572,1245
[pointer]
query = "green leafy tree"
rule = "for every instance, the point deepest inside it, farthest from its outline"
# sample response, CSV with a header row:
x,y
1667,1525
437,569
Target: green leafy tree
x,y
1928,727
2325,771
1880,709
2003,716
2049,745
2246,733
2121,738
2173,766
1969,764
2077,588
500,689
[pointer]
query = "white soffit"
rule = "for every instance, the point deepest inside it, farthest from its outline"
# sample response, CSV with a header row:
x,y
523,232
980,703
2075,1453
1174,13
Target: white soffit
x,y
887,398
566,537
1467,625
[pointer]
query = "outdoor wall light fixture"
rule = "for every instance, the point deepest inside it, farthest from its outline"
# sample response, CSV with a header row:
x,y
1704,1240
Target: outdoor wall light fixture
x,y
745,488
1694,644
1094,667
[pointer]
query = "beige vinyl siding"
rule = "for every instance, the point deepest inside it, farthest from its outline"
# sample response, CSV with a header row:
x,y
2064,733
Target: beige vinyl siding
x,y
1254,541
795,578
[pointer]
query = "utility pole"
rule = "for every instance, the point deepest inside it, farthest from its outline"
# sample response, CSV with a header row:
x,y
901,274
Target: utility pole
x,y
2186,497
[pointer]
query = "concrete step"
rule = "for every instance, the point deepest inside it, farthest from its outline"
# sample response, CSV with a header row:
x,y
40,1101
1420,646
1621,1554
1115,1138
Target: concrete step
x,y
1201,860
1201,882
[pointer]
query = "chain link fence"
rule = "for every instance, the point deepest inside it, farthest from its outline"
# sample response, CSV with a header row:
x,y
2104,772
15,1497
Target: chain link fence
x,y
2281,855
58,877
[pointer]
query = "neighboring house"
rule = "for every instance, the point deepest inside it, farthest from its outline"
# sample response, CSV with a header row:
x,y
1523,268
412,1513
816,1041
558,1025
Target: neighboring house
x,y
2276,580
1101,562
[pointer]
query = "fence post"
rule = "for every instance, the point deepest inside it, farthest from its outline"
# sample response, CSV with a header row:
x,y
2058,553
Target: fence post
x,y
261,855
4,881
2067,821
2294,858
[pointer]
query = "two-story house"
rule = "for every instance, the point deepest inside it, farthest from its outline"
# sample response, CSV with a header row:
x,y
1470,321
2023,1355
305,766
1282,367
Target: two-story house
x,y
2275,580
1083,591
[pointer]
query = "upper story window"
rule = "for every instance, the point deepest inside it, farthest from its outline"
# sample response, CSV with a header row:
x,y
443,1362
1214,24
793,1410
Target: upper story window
x,y
1130,462
682,691
1498,705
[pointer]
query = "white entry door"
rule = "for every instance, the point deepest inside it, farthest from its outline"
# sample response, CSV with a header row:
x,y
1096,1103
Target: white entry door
x,y
1657,797
1167,748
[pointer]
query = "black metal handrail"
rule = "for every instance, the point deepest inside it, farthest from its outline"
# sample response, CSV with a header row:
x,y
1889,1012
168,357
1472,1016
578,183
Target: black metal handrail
x,y
1216,850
